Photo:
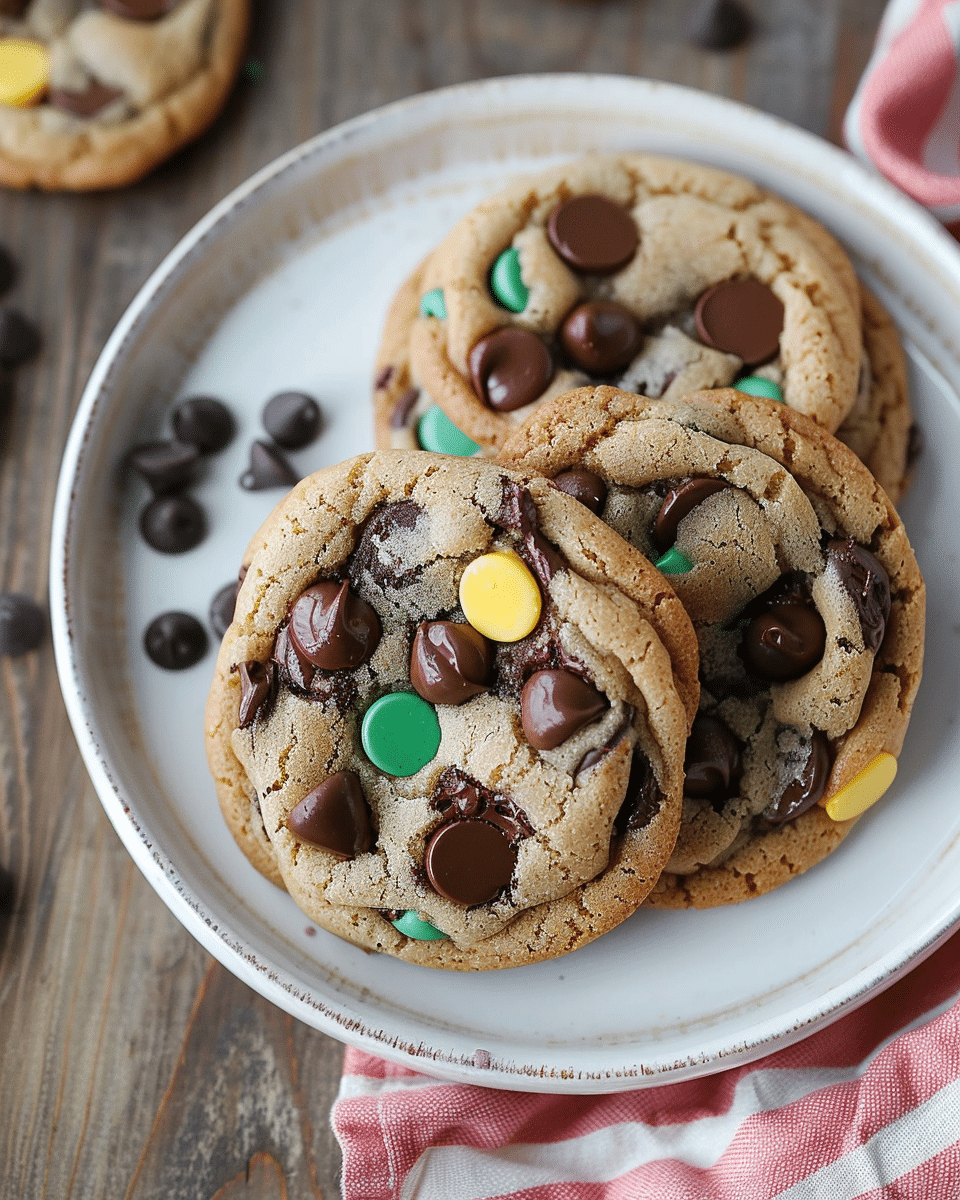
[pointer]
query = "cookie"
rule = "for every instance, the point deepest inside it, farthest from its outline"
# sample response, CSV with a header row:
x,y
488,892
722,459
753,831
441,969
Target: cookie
x,y
450,711
98,93
808,605
658,275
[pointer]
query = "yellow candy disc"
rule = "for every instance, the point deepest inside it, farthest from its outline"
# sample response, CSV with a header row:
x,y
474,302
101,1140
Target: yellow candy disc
x,y
24,71
500,597
863,789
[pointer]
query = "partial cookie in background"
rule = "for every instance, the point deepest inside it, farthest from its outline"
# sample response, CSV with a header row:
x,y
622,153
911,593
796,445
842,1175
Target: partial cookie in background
x,y
808,605
97,98
450,712
658,275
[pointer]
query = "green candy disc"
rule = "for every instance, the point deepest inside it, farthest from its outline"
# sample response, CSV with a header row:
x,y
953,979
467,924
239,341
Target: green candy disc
x,y
435,431
506,283
433,305
756,385
674,562
400,733
412,925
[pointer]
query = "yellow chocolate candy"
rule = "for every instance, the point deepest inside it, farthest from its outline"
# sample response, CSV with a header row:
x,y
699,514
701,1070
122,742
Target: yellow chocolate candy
x,y
500,597
863,789
24,71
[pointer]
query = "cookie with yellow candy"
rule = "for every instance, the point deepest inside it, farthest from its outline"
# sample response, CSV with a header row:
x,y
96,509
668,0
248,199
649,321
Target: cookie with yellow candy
x,y
96,94
450,713
807,601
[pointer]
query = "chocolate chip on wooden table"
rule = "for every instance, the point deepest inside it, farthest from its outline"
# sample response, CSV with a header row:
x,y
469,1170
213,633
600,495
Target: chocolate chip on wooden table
x,y
19,338
292,419
175,641
22,624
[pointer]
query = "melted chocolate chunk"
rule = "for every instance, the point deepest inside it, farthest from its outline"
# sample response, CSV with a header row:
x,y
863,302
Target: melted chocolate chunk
x,y
601,336
806,790
450,662
166,466
311,682
333,628
643,797
8,269
334,816
742,317
204,422
719,24
585,486
678,502
593,234
258,690
22,624
293,419
403,407
712,762
373,556
95,97
19,338
554,705
510,368
519,514
139,10
384,376
470,861
268,469
784,642
173,524
458,796
868,584
175,641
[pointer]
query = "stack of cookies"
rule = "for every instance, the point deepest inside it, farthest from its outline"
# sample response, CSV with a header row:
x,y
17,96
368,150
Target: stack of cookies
x,y
611,617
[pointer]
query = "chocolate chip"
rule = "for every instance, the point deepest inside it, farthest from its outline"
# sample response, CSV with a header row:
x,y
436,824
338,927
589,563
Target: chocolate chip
x,y
175,641
784,642
204,422
510,368
678,502
222,608
384,375
643,797
258,690
139,10
292,419
585,486
450,662
402,408
8,891
333,628
601,336
8,270
712,763
808,787
22,624
593,234
19,338
518,512
742,317
268,469
470,861
867,584
376,556
719,24
95,97
166,466
554,705
173,524
458,795
914,445
334,816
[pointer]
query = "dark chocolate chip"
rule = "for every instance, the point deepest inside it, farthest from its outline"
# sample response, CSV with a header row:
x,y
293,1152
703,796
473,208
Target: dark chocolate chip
x,y
401,410
139,10
175,641
784,642
470,861
450,662
95,97
601,336
375,554
585,486
519,513
554,705
268,469
457,795
166,466
222,608
593,234
678,502
258,690
806,790
292,419
22,624
742,317
719,24
510,368
334,816
173,524
8,892
333,628
8,270
643,797
204,422
384,375
19,338
914,446
868,585
712,763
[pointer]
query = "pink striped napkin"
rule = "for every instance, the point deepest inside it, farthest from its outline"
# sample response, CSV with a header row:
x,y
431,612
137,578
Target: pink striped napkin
x,y
905,117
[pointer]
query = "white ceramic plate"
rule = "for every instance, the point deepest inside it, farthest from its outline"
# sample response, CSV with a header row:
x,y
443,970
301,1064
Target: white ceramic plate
x,y
285,285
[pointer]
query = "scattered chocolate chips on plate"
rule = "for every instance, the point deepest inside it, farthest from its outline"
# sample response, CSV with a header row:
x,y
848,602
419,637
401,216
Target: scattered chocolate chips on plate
x,y
268,469
166,466
293,419
175,641
204,422
173,524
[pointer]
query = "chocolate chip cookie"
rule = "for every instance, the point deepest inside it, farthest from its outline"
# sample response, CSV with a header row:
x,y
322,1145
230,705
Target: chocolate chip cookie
x,y
97,93
450,711
657,275
808,606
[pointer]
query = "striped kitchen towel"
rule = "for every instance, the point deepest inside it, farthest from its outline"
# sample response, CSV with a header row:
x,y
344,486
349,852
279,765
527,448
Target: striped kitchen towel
x,y
905,116
868,1107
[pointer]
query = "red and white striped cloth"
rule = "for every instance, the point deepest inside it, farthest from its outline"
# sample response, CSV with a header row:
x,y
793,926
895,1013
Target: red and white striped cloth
x,y
868,1108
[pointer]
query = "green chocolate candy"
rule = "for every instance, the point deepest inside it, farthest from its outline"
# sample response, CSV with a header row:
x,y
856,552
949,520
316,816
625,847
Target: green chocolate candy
x,y
412,925
505,281
433,305
400,733
757,385
674,562
435,431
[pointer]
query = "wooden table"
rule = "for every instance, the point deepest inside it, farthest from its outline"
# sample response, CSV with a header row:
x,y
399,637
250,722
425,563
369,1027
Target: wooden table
x,y
131,1063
